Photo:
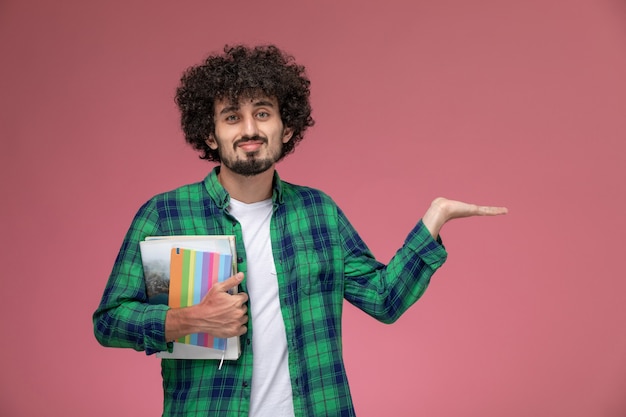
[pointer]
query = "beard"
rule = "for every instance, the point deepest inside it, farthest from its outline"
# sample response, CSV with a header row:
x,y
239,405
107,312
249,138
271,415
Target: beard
x,y
252,164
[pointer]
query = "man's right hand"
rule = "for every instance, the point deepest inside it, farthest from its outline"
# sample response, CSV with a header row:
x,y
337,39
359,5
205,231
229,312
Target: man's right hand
x,y
220,313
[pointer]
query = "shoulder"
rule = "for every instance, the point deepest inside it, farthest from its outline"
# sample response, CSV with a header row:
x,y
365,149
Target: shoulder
x,y
304,195
186,195
184,192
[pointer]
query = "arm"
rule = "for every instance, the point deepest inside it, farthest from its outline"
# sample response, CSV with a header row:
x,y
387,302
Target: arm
x,y
125,318
387,291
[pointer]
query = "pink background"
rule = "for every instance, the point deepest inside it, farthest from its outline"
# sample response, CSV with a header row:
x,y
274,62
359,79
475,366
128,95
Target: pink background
x,y
516,103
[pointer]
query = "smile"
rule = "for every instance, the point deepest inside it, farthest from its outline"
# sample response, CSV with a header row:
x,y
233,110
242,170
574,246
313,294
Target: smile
x,y
250,146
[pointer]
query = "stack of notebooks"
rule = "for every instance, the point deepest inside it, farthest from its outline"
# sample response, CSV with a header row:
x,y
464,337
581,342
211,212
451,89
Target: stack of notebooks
x,y
179,271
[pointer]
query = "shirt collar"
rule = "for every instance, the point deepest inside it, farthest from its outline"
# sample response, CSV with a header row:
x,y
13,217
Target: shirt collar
x,y
221,197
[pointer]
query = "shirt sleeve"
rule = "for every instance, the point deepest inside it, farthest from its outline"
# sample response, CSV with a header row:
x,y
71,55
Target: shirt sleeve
x,y
386,291
124,317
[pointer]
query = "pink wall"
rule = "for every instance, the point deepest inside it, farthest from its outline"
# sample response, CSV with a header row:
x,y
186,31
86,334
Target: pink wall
x,y
516,103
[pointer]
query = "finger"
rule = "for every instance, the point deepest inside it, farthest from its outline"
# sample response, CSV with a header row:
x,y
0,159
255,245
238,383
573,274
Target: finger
x,y
492,211
229,283
243,297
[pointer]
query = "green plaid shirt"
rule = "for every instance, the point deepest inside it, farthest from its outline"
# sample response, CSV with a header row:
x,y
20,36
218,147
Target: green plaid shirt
x,y
320,261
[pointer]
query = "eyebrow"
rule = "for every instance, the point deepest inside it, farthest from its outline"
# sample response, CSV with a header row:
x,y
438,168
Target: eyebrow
x,y
235,107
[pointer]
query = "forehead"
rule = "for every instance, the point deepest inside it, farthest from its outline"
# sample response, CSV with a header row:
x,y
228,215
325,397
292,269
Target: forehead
x,y
225,104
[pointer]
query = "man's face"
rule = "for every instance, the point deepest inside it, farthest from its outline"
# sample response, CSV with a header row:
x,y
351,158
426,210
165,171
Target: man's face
x,y
249,135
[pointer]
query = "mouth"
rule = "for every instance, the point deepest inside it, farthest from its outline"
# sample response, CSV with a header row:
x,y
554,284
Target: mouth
x,y
250,145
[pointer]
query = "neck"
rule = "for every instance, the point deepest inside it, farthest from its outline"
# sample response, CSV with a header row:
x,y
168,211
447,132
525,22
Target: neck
x,y
247,189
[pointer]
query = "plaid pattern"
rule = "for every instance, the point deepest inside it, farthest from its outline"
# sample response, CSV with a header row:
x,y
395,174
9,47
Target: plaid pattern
x,y
320,260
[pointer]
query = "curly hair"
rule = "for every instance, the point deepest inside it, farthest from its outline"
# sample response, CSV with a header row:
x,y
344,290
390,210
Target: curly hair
x,y
243,72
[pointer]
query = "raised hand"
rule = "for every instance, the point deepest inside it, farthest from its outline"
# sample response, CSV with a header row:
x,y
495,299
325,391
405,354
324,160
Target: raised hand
x,y
442,210
220,313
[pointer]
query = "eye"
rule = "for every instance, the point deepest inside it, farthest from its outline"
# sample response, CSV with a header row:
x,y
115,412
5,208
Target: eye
x,y
231,118
262,115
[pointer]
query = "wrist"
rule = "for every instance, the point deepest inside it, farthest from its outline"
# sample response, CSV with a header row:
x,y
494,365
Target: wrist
x,y
435,217
179,322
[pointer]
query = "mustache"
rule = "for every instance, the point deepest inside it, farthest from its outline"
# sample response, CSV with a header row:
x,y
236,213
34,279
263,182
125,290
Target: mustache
x,y
244,139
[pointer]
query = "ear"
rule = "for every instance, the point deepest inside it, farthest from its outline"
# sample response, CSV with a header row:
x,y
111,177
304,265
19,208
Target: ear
x,y
211,142
287,134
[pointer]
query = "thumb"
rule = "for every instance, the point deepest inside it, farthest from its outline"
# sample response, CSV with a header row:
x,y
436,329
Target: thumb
x,y
229,283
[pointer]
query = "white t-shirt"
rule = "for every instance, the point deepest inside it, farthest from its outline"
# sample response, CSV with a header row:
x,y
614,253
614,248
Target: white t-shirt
x,y
271,394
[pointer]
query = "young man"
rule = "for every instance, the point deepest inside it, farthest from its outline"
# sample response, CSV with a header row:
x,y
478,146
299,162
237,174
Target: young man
x,y
299,257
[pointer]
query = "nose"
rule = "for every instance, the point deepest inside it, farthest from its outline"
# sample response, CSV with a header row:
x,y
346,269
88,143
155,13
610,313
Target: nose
x,y
249,126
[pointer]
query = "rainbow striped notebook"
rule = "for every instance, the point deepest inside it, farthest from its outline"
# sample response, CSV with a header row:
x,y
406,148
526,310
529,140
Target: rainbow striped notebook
x,y
179,271
192,274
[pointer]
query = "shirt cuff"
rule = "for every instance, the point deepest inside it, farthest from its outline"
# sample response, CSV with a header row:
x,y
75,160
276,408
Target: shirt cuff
x,y
154,329
431,250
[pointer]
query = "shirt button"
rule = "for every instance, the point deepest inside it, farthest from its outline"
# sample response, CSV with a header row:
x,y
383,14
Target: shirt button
x,y
239,259
247,341
245,384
